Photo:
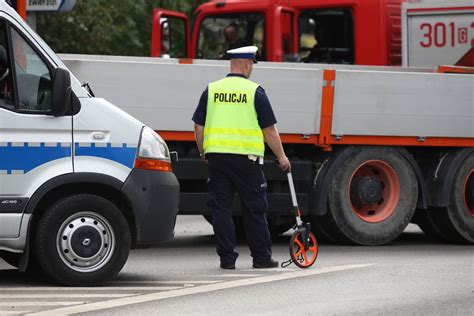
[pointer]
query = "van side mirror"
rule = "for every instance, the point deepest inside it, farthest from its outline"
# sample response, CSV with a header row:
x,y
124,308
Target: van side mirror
x,y
62,94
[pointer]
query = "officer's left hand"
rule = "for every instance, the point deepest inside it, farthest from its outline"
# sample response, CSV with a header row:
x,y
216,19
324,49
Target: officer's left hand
x,y
284,163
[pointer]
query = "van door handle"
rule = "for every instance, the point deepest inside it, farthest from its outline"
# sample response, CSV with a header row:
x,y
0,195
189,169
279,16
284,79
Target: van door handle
x,y
98,135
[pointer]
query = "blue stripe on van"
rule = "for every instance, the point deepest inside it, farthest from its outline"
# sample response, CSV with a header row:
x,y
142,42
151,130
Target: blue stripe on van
x,y
124,155
25,158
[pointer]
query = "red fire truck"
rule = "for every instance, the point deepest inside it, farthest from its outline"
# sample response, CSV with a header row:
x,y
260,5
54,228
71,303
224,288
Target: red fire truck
x,y
327,31
361,32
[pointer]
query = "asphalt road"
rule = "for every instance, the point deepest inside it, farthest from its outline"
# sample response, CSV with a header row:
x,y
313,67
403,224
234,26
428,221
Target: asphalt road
x,y
412,275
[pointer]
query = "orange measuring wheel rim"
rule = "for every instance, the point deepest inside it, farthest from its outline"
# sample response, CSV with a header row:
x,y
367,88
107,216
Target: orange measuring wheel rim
x,y
302,258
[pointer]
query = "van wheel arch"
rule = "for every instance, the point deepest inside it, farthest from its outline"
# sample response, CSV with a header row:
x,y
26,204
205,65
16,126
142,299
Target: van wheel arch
x,y
79,183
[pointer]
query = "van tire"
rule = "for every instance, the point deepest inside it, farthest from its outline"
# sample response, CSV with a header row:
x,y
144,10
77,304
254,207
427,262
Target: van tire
x,y
353,220
95,231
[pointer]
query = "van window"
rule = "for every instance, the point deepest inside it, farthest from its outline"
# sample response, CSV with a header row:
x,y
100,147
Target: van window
x,y
326,36
6,86
33,79
217,34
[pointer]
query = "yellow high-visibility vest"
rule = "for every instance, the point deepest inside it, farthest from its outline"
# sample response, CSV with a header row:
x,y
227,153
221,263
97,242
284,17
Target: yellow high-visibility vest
x,y
231,125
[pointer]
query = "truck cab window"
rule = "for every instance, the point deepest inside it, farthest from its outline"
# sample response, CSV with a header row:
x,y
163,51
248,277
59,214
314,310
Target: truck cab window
x,y
326,36
173,37
218,34
6,86
33,79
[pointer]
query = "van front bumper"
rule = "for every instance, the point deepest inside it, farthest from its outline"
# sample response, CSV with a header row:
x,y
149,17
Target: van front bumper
x,y
154,197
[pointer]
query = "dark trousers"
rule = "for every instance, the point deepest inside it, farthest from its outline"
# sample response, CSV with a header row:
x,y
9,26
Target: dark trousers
x,y
236,173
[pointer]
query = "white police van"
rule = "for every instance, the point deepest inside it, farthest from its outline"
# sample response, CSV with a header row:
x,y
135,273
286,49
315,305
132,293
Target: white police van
x,y
81,181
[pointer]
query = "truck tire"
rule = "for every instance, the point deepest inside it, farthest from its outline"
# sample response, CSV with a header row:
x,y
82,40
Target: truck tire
x,y
82,240
456,221
372,198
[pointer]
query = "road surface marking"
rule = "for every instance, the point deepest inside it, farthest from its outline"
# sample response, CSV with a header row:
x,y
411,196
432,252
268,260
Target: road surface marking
x,y
242,275
272,269
72,295
109,288
41,303
194,290
169,282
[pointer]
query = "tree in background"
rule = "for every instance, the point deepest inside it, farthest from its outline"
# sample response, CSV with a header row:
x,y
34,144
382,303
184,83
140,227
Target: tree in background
x,y
106,27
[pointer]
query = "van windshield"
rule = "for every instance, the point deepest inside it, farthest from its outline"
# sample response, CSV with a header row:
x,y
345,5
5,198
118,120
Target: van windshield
x,y
219,33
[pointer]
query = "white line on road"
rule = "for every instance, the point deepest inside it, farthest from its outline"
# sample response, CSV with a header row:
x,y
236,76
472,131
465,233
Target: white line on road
x,y
103,288
241,275
194,290
273,269
41,303
52,295
169,282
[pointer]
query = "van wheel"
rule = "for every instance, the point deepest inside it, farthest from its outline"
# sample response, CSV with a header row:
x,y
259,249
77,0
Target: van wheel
x,y
456,222
82,240
372,197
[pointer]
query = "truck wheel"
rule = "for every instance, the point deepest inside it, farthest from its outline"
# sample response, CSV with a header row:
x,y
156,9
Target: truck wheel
x,y
456,222
82,240
372,197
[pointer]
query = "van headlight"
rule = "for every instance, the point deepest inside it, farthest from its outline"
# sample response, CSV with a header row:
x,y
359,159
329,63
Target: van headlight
x,y
153,153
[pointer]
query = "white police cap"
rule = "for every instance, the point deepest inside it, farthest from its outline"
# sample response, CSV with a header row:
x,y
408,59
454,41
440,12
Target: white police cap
x,y
246,52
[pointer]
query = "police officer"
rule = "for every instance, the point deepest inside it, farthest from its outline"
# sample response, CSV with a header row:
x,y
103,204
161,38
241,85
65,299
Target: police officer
x,y
233,121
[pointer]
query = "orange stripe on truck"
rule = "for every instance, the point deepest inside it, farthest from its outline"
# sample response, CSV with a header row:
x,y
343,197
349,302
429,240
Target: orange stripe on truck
x,y
348,140
403,141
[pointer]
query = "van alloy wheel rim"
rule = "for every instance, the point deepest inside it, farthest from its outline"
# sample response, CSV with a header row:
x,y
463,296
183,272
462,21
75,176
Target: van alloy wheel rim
x,y
374,191
468,192
85,242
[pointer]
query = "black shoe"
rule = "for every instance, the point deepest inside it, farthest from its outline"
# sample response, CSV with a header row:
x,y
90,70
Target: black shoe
x,y
228,266
266,264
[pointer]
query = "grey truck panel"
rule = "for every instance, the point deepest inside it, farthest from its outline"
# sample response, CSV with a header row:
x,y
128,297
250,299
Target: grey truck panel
x,y
368,100
403,104
164,94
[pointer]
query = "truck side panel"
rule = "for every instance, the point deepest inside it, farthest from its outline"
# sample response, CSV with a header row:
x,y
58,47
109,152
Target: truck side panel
x,y
403,104
165,95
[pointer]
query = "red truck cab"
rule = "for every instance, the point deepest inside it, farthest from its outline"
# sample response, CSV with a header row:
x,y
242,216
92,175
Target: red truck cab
x,y
362,32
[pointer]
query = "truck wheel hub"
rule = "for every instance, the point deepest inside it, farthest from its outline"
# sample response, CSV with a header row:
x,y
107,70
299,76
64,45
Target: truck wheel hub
x,y
366,190
374,191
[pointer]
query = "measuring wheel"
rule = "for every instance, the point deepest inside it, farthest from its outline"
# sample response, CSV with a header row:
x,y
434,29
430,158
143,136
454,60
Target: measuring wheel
x,y
304,256
303,244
